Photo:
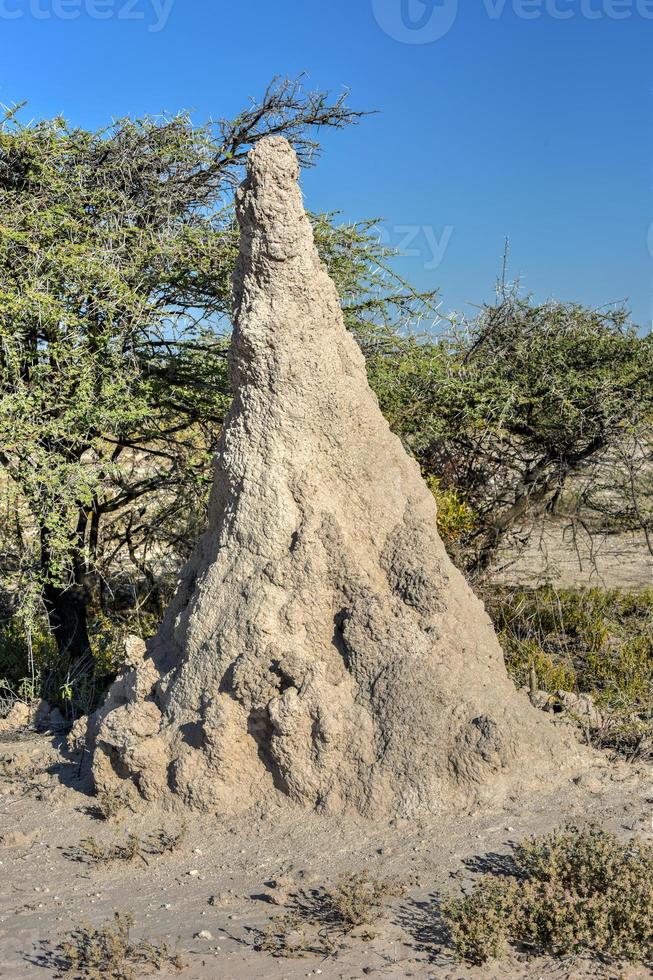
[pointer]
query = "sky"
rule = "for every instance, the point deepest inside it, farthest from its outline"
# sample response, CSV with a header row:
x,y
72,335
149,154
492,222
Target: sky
x,y
526,120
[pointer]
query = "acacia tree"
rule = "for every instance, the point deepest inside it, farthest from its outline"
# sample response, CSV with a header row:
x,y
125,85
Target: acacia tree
x,y
116,253
507,410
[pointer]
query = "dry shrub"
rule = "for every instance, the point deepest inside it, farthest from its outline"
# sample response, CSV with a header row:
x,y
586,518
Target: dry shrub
x,y
126,850
110,803
108,953
574,891
160,842
358,900
164,841
290,936
317,921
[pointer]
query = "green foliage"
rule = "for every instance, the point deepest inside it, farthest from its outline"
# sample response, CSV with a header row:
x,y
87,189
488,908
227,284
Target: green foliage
x,y
108,634
480,923
505,409
625,674
524,656
574,891
374,299
96,338
21,650
602,638
117,250
593,641
455,517
32,667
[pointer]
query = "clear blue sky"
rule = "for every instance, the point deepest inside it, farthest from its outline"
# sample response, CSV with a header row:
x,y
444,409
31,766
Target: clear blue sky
x,y
534,127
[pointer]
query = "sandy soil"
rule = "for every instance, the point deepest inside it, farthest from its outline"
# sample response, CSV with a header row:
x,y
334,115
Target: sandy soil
x,y
554,556
217,881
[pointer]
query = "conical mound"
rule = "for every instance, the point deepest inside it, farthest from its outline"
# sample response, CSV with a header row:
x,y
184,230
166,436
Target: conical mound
x,y
321,642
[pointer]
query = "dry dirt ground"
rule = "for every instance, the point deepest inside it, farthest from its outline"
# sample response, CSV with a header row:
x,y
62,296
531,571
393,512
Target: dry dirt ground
x,y
217,881
554,556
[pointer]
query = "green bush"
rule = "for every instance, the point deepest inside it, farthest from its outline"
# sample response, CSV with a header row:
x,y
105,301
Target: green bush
x,y
21,650
455,516
573,891
593,641
31,666
523,656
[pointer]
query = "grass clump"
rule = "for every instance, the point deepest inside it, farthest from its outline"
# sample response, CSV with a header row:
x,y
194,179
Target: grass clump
x,y
590,641
162,841
128,850
357,900
109,803
572,892
319,920
109,953
289,936
525,656
455,517
32,668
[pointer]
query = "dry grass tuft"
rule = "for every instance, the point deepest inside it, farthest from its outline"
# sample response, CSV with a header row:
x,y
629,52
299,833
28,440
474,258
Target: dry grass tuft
x,y
162,841
357,900
110,803
96,853
318,921
108,953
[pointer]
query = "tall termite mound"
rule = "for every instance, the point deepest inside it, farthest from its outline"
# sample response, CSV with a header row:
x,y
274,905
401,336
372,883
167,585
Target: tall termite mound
x,y
321,643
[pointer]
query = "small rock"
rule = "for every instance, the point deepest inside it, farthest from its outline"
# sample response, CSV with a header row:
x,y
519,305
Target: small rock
x,y
76,740
541,699
204,934
581,707
135,650
16,838
193,873
17,717
219,901
56,719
